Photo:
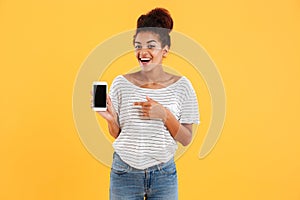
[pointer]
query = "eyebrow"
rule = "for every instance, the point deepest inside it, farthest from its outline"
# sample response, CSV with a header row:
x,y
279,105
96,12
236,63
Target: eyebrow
x,y
147,42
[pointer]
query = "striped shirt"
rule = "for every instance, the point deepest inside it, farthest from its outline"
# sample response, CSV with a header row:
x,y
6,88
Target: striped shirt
x,y
143,143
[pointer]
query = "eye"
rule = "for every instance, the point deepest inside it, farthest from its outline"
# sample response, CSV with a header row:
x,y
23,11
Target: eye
x,y
138,46
151,46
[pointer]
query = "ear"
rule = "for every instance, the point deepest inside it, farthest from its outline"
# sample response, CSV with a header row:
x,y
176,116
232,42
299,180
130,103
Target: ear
x,y
165,51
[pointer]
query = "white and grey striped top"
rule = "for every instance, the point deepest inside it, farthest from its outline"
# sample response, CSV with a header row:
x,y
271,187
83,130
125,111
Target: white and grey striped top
x,y
143,143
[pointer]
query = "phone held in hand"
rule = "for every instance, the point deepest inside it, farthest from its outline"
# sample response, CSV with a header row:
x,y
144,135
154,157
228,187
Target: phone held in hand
x,y
99,95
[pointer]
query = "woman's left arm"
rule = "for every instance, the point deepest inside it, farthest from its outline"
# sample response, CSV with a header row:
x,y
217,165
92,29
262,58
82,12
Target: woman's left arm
x,y
153,110
180,132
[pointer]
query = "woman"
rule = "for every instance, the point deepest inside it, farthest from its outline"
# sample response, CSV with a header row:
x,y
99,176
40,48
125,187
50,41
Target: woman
x,y
149,111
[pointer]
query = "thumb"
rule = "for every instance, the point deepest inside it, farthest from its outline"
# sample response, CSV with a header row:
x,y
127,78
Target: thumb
x,y
148,98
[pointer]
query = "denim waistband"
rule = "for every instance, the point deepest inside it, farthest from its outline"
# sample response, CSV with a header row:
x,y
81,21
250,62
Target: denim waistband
x,y
152,168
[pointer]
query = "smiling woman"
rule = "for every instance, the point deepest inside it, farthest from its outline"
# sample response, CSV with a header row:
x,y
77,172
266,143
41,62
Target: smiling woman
x,y
148,112
152,40
149,50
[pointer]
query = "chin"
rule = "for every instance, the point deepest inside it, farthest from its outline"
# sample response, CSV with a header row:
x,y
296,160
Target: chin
x,y
148,67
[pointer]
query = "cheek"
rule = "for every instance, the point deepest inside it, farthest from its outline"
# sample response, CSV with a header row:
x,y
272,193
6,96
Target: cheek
x,y
136,54
157,55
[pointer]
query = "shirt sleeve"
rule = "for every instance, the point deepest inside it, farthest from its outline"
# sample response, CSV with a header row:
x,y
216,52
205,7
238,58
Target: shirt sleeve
x,y
190,112
114,94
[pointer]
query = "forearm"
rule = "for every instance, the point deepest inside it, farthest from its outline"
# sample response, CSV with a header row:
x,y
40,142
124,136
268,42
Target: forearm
x,y
113,128
179,132
184,135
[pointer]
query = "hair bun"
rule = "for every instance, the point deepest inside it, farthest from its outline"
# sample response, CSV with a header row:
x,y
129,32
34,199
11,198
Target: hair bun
x,y
158,17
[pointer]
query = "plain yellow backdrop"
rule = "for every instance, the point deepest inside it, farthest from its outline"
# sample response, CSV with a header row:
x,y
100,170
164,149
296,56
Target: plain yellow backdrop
x,y
255,45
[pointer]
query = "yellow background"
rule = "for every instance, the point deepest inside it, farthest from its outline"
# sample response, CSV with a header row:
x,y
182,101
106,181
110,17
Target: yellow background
x,y
255,45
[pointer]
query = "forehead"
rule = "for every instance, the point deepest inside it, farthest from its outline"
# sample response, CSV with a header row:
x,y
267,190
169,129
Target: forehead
x,y
146,36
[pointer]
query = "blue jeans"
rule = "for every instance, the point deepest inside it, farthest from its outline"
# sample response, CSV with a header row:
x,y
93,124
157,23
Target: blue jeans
x,y
154,183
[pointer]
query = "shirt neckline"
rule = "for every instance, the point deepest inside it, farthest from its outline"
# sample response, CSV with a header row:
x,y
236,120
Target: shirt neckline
x,y
169,86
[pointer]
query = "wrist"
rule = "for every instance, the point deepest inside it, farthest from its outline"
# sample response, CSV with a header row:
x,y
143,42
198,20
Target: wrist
x,y
113,121
166,115
171,123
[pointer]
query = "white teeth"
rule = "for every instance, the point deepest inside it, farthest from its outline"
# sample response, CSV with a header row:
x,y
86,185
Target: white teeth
x,y
145,59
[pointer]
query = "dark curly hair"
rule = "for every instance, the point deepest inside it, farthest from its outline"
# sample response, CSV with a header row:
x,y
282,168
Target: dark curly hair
x,y
158,21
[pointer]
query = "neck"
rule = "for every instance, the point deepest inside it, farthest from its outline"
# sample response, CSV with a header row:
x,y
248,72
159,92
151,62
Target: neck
x,y
154,75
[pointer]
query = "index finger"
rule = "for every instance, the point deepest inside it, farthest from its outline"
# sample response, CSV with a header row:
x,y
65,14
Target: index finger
x,y
141,103
138,103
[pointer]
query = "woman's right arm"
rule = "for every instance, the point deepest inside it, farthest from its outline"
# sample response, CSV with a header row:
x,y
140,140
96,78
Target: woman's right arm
x,y
114,128
111,117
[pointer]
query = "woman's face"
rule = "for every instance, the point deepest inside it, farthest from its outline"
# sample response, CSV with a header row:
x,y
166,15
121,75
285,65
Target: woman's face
x,y
148,50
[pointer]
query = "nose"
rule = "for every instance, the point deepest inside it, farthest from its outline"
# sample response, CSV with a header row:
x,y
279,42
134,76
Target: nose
x,y
143,52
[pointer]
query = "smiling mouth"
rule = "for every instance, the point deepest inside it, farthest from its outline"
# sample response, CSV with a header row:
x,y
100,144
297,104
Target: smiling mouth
x,y
145,60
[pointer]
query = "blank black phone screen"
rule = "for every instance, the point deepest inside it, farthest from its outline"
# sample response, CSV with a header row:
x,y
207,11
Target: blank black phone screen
x,y
100,96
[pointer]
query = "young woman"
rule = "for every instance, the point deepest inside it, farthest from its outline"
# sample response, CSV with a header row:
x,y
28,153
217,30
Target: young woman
x,y
149,111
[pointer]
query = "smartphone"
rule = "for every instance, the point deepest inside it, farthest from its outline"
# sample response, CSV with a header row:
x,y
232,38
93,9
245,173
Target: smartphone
x,y
99,95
